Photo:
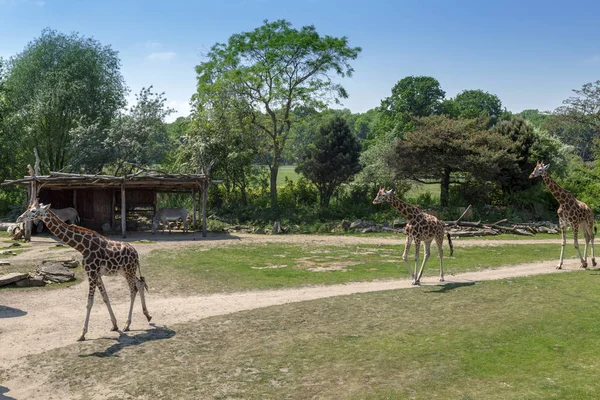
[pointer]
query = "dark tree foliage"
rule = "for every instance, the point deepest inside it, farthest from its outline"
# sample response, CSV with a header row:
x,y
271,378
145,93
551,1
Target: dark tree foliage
x,y
521,134
332,159
438,147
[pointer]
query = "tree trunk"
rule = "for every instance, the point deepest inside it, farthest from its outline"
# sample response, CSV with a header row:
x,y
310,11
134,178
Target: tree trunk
x,y
445,187
274,172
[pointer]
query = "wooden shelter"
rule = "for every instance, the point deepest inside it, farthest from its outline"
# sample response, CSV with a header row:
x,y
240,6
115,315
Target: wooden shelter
x,y
101,199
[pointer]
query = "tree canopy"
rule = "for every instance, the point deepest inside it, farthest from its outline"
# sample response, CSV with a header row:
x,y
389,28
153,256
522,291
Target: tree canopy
x,y
60,82
439,146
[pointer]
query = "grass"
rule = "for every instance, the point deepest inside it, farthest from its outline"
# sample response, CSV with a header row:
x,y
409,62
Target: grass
x,y
524,338
274,266
287,171
422,188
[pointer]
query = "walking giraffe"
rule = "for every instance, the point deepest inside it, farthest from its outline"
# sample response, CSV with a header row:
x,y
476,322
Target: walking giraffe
x,y
420,227
570,211
101,256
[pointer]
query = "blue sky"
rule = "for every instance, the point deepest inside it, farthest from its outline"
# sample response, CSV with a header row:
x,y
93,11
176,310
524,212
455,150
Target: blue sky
x,y
529,53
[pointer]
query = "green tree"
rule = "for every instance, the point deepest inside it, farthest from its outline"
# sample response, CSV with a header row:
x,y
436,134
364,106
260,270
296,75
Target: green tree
x,y
521,133
60,82
138,136
578,122
274,69
332,159
413,96
477,103
439,147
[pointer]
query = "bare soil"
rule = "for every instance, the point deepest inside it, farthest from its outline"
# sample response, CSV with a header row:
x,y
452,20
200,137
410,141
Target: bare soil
x,y
34,321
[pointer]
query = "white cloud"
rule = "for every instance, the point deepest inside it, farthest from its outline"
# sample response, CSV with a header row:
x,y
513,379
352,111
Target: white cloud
x,y
182,109
161,56
594,59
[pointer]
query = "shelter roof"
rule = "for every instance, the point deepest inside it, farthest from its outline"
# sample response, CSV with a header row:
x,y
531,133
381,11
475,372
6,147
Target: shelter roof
x,y
143,179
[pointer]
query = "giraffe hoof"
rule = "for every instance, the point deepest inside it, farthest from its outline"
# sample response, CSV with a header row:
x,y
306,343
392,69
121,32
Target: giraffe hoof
x,y
81,338
126,329
114,329
593,262
441,279
559,267
149,317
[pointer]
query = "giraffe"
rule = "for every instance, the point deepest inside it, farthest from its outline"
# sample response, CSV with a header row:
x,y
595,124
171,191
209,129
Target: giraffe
x,y
420,227
570,211
101,256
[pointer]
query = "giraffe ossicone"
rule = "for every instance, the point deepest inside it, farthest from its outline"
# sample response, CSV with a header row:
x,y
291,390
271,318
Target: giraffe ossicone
x,y
420,227
101,256
570,212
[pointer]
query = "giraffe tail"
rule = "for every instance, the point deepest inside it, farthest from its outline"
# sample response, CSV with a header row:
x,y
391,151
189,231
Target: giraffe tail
x,y
450,244
141,278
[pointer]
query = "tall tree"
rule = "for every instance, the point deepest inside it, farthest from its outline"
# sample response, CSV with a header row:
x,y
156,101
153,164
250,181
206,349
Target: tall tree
x,y
578,121
477,103
60,82
274,69
332,159
413,96
439,146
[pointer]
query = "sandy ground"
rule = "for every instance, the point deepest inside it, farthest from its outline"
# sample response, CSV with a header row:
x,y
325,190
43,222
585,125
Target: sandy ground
x,y
32,322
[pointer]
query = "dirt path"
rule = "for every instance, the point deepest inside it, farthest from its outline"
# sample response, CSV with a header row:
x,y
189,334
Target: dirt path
x,y
32,322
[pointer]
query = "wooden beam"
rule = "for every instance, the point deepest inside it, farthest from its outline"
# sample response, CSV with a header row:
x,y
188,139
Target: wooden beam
x,y
194,203
204,200
123,212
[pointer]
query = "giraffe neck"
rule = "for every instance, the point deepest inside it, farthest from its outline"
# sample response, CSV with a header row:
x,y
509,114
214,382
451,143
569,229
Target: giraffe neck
x,y
65,232
408,210
560,194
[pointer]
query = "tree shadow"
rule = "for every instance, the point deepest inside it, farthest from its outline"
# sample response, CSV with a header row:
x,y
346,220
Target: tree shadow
x,y
9,312
124,340
3,390
445,287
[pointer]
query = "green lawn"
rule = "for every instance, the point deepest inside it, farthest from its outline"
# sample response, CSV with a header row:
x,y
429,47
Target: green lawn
x,y
272,266
524,338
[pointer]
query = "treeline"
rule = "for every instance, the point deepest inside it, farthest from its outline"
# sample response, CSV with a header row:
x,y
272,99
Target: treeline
x,y
263,100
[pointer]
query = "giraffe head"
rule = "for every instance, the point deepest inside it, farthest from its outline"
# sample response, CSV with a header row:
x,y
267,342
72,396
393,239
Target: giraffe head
x,y
539,169
384,196
35,212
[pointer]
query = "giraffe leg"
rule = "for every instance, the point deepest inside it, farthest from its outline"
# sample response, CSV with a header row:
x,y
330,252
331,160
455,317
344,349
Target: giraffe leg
x,y
576,244
417,249
107,302
405,256
141,285
90,303
592,241
563,231
131,281
427,253
440,242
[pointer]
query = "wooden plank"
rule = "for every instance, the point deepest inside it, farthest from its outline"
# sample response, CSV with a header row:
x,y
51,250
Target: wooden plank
x,y
123,212
204,200
194,203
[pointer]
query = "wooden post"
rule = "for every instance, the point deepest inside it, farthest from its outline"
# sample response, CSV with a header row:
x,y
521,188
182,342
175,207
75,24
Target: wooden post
x,y
123,211
194,203
204,200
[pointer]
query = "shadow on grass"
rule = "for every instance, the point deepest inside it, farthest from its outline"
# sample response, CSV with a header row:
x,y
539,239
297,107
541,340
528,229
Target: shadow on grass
x,y
451,286
3,390
124,340
9,312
